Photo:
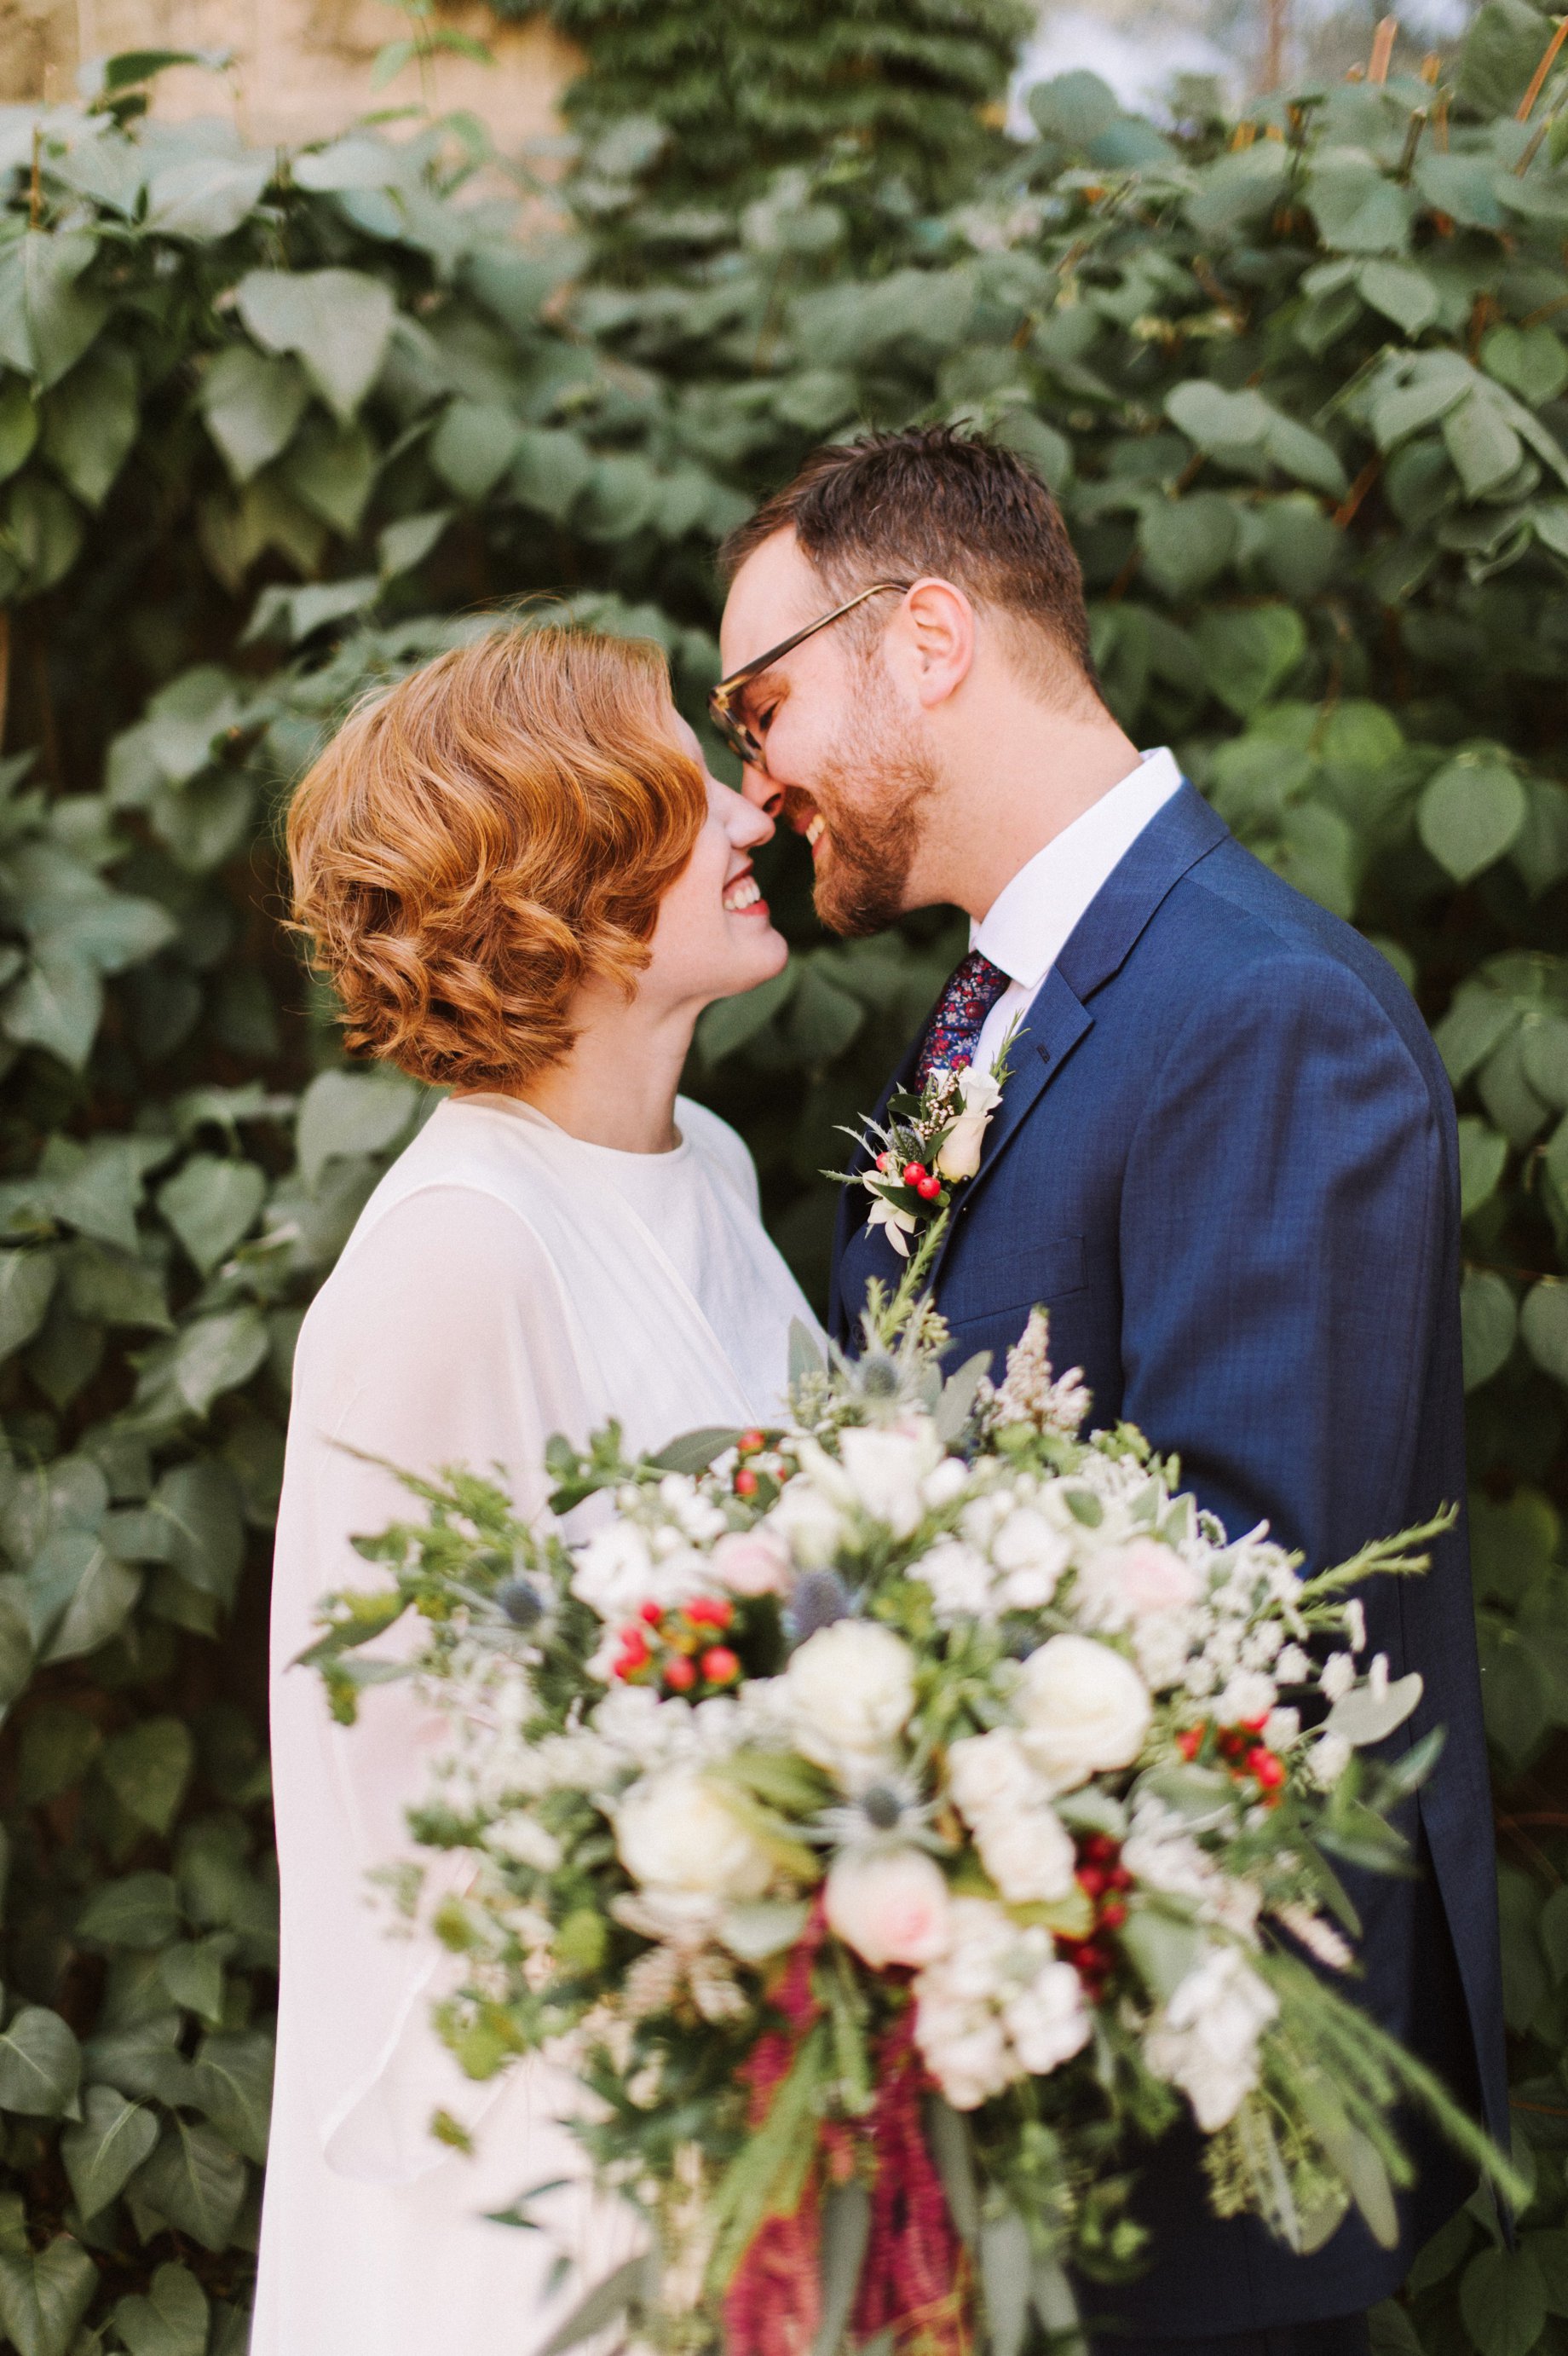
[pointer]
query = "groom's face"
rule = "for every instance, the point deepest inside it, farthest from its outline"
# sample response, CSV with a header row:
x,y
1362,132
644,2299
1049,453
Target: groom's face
x,y
846,764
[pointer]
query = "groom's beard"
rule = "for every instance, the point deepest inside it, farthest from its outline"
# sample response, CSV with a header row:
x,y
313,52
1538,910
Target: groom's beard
x,y
873,798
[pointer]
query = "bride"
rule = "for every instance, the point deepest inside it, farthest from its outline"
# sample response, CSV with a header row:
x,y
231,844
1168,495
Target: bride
x,y
525,887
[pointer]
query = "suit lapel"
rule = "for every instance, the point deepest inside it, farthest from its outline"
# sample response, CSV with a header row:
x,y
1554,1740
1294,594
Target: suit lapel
x,y
1184,832
1178,835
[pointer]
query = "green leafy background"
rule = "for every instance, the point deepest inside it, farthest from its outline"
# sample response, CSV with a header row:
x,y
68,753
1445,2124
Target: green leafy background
x,y
274,426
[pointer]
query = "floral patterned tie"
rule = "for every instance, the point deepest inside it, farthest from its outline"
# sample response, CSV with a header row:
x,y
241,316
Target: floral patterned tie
x,y
972,991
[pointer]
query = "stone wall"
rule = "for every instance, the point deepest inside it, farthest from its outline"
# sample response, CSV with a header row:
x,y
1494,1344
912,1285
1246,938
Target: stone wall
x,y
301,68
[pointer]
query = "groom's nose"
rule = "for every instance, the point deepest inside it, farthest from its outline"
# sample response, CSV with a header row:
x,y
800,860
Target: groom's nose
x,y
764,793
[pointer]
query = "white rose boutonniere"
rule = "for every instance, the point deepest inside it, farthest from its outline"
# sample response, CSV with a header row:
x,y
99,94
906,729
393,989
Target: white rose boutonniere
x,y
932,1140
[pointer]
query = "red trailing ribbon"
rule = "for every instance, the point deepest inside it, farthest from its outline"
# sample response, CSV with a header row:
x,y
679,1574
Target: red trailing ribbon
x,y
773,2304
912,2283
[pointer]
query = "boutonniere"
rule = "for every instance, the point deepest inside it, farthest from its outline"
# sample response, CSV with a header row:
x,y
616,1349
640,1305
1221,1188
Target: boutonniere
x,y
930,1143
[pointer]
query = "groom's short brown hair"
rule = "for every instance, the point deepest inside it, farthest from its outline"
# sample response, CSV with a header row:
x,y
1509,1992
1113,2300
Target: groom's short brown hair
x,y
932,500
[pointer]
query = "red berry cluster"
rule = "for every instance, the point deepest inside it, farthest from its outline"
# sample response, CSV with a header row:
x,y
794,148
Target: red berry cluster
x,y
677,1650
1103,1879
1248,1758
914,1174
744,1484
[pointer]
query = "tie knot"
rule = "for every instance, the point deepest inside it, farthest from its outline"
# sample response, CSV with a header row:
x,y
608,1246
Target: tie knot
x,y
973,988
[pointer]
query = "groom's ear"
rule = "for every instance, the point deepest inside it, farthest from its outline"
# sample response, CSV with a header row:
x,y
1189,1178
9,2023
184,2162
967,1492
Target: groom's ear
x,y
932,640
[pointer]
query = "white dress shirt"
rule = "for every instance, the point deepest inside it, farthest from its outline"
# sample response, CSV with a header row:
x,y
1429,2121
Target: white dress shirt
x,y
1029,922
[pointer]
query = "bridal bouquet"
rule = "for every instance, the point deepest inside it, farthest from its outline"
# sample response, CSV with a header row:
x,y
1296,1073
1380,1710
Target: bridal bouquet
x,y
896,1820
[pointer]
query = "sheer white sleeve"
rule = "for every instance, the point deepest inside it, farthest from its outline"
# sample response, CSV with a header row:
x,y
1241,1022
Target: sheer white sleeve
x,y
442,1338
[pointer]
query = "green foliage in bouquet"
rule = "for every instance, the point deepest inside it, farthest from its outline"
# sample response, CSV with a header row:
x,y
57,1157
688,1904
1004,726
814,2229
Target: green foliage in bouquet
x,y
267,421
917,1744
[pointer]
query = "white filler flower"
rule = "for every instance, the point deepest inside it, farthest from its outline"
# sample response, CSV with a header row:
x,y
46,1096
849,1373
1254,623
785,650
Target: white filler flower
x,y
997,2006
1206,2041
1024,1846
674,1831
1084,1709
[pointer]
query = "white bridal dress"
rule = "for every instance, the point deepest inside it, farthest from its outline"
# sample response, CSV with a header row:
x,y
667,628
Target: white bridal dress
x,y
505,1280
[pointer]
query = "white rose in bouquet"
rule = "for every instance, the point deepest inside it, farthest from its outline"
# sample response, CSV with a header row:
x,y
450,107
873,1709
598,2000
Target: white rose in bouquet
x,y
1047,2019
1083,1707
615,1571
1206,2042
887,1472
809,1521
1023,1844
995,2005
891,1905
1033,1554
849,1690
675,1831
959,1579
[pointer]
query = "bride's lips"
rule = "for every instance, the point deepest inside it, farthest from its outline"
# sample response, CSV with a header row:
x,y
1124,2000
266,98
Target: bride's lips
x,y
744,895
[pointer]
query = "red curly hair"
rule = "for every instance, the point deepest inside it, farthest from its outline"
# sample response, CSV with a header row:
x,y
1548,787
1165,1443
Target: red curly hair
x,y
478,842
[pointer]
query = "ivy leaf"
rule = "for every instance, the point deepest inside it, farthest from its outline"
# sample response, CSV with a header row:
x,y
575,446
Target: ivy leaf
x,y
197,1513
1469,813
1187,541
192,1972
1501,2296
1501,52
194,2182
1358,211
47,319
1482,444
1402,293
78,1594
1249,652
214,1354
1531,362
148,1767
1488,1322
332,468
45,2294
350,1113
172,2320
40,2063
1543,1322
473,446
210,1204
203,198
57,1004
338,321
18,426
105,2146
91,421
233,2085
1482,1155
26,1283
139,1911
252,403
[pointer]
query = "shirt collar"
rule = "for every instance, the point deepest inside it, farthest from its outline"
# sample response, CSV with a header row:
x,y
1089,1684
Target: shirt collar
x,y
1029,922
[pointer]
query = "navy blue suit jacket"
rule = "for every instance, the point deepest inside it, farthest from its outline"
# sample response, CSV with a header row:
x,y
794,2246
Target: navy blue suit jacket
x,y
1226,1163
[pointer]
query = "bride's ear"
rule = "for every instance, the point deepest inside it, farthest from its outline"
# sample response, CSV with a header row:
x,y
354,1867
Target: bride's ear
x,y
931,640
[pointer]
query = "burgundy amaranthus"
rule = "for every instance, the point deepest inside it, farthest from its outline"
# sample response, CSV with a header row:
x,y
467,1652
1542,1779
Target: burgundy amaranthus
x,y
911,2281
773,2304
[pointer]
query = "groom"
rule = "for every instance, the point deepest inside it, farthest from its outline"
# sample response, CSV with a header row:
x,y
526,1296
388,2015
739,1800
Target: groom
x,y
1225,1161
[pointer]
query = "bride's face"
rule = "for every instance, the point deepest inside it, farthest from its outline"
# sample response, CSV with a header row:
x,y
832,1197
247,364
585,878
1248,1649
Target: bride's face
x,y
714,937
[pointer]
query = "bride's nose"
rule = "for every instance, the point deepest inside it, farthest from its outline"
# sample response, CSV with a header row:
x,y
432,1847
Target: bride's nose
x,y
746,824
